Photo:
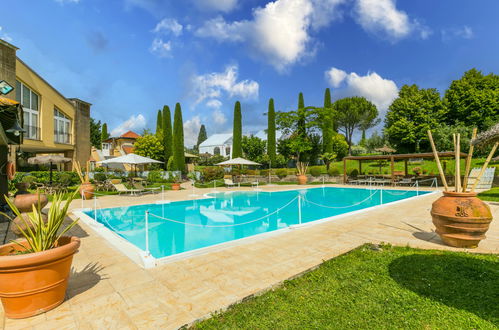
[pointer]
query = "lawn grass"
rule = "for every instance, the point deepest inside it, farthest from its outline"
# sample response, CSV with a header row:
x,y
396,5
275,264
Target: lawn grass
x,y
491,195
372,288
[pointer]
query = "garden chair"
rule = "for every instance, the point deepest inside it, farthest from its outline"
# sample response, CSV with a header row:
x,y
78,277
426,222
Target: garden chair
x,y
229,183
404,181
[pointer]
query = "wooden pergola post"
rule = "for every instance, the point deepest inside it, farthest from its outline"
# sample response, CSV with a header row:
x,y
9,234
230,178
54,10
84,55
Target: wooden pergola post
x,y
406,170
392,168
344,170
360,167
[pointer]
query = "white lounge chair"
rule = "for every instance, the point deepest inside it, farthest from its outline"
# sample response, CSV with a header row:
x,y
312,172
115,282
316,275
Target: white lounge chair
x,y
229,183
120,188
140,187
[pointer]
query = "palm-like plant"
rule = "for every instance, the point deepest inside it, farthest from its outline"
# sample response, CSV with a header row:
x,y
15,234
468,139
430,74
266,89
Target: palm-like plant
x,y
39,235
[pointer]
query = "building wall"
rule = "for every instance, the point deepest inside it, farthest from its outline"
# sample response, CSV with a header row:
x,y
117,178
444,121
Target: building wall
x,y
81,138
8,65
49,99
211,150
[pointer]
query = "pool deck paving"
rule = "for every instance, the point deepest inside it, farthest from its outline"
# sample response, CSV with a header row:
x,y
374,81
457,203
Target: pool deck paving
x,y
107,290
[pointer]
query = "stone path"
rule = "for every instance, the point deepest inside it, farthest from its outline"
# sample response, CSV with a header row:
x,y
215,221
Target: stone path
x,y
108,290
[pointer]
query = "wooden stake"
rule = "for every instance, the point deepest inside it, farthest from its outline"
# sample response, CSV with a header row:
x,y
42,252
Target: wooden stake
x,y
484,167
468,160
437,160
458,163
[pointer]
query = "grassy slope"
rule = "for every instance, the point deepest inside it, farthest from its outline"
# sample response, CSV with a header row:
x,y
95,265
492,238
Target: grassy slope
x,y
397,288
490,195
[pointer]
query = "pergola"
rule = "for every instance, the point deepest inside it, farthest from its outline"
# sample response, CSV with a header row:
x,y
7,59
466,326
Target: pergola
x,y
393,158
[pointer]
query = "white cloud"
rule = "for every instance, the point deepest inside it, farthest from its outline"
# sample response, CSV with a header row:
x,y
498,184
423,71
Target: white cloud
x,y
191,131
213,85
215,104
335,76
372,86
4,36
169,25
280,31
216,5
161,48
464,32
219,117
134,123
383,17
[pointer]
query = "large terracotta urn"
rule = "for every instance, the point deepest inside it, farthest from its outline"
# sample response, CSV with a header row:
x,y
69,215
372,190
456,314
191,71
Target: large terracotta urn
x,y
461,219
176,186
25,202
302,179
33,283
87,190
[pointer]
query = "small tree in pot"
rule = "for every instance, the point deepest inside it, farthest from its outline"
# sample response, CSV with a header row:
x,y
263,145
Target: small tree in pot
x,y
34,272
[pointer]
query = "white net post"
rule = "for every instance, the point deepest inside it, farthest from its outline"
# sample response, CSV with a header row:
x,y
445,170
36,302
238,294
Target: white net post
x,y
95,208
417,188
299,209
147,232
162,192
381,196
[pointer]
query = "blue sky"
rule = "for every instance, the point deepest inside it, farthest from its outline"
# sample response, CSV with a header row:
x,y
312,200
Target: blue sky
x,y
130,57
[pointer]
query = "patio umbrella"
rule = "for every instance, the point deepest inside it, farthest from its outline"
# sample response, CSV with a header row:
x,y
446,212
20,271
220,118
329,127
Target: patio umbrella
x,y
490,136
238,161
131,159
385,149
49,159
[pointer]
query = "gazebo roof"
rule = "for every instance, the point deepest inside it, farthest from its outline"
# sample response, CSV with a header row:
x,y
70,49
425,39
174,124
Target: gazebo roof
x,y
489,136
443,154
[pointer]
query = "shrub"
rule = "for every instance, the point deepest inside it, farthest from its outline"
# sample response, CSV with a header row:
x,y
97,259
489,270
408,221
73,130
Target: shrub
x,y
315,171
100,177
29,179
334,171
66,179
170,166
354,172
281,173
100,169
264,172
358,150
253,172
212,173
155,176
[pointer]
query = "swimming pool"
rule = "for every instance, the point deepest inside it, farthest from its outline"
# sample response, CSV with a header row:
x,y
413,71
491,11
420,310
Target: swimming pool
x,y
184,226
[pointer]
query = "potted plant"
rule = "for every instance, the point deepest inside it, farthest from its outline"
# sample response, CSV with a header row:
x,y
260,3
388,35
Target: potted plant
x,y
34,272
86,188
301,172
176,180
460,217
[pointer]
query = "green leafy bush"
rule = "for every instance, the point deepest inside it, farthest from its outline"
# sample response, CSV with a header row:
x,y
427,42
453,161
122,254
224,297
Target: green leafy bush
x,y
358,150
101,177
29,179
65,178
315,171
212,173
281,173
354,172
334,171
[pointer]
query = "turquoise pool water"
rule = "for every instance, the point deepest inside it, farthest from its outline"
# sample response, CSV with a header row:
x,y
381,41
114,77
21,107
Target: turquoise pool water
x,y
188,225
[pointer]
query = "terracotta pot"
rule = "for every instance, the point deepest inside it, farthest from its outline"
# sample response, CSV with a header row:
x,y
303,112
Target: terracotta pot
x,y
34,283
18,223
87,190
302,179
461,219
175,186
24,202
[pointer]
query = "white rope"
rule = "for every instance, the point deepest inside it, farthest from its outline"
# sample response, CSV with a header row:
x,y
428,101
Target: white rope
x,y
105,219
397,194
222,226
341,207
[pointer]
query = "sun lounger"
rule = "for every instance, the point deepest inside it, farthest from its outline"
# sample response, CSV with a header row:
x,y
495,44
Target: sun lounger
x,y
229,183
120,188
139,186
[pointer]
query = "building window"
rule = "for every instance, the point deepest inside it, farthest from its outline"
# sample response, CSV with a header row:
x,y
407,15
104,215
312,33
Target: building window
x,y
30,102
216,151
227,151
62,127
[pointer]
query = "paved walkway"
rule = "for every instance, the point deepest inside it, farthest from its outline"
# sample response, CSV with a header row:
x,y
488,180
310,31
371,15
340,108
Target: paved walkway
x,y
107,290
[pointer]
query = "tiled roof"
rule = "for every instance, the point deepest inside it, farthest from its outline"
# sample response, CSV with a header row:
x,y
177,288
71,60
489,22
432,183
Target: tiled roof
x,y
130,134
128,149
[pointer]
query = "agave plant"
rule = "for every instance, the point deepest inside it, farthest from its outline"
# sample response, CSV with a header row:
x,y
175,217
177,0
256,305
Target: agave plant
x,y
39,235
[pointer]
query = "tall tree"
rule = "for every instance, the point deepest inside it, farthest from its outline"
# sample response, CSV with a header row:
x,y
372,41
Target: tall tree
x,y
473,100
237,132
159,124
327,123
253,147
150,146
104,133
301,118
271,141
202,136
354,113
95,133
178,140
167,134
411,115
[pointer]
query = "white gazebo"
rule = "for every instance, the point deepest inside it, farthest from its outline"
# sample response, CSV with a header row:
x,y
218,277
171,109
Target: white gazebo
x,y
237,161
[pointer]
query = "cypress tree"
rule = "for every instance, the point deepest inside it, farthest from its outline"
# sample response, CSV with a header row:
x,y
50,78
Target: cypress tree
x,y
104,134
271,142
202,136
159,122
178,140
167,134
301,114
237,132
327,124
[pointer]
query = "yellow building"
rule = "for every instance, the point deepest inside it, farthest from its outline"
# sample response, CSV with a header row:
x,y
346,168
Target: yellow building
x,y
53,123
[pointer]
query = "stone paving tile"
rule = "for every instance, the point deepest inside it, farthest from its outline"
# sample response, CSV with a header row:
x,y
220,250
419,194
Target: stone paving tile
x,y
107,290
